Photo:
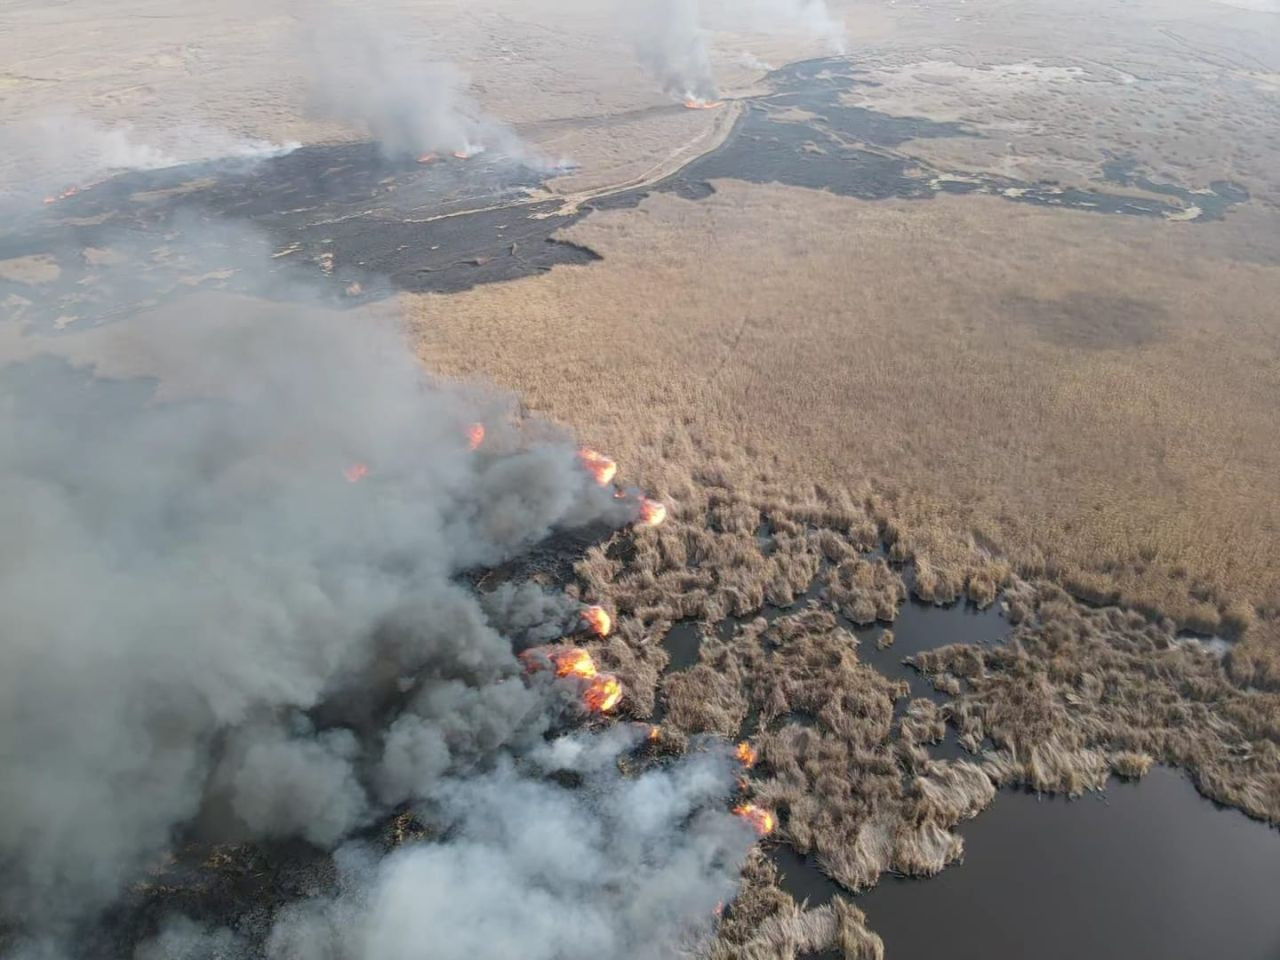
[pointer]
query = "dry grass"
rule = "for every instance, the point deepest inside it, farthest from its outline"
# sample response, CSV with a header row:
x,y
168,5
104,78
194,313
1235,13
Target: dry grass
x,y
1078,694
765,923
886,349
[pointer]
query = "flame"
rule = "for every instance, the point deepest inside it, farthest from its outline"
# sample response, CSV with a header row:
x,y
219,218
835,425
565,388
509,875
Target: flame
x,y
69,192
601,467
603,690
652,512
746,754
575,662
428,158
356,472
696,103
718,912
475,436
598,619
603,693
654,732
761,820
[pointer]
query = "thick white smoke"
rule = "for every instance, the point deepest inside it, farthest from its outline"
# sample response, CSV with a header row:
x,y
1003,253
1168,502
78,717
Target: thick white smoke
x,y
50,153
204,618
672,37
672,45
374,80
533,870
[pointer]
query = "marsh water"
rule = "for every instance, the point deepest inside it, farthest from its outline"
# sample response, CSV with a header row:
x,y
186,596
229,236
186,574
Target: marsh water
x,y
1147,869
358,226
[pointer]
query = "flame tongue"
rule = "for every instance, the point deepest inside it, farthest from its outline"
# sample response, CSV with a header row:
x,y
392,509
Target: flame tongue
x,y
598,620
428,158
475,436
602,691
356,472
652,512
575,662
598,465
761,820
746,754
696,103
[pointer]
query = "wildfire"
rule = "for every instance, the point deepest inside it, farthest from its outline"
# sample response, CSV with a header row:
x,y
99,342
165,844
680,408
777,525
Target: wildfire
x,y
574,662
475,435
598,619
761,820
602,691
69,192
356,472
695,103
652,512
603,694
428,158
746,754
601,467
654,732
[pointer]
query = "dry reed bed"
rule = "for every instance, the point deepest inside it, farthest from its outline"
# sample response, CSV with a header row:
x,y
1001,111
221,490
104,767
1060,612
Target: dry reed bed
x,y
1077,694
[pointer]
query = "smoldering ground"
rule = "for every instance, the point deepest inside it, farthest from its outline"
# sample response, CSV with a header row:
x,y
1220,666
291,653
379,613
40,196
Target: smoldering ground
x,y
211,631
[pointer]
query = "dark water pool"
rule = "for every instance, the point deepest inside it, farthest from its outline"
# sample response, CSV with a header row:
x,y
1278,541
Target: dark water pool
x,y
1146,870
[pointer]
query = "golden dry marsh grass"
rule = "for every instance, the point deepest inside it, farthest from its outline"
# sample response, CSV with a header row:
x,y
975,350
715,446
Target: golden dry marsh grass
x,y
1089,398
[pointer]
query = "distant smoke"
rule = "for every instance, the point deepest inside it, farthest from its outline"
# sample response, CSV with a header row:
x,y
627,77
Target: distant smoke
x,y
47,154
373,79
672,45
671,36
809,17
206,623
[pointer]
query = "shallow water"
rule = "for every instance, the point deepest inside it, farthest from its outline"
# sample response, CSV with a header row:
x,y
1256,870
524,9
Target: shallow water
x,y
1150,869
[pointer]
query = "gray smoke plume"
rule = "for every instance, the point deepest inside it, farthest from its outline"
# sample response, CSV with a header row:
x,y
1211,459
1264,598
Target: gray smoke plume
x,y
671,36
808,17
208,626
45,155
672,45
531,869
372,79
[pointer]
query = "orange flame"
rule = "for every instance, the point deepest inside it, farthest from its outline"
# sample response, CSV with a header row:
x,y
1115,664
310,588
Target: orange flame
x,y
601,467
574,662
356,472
761,820
603,690
654,732
598,619
693,103
746,754
428,158
475,436
603,693
69,192
652,512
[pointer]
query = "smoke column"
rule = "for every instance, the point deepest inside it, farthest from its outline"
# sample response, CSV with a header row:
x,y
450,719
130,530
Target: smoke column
x,y
46,154
371,79
216,628
672,45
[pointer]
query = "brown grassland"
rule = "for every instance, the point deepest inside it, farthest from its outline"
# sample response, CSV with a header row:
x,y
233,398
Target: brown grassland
x,y
1085,398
